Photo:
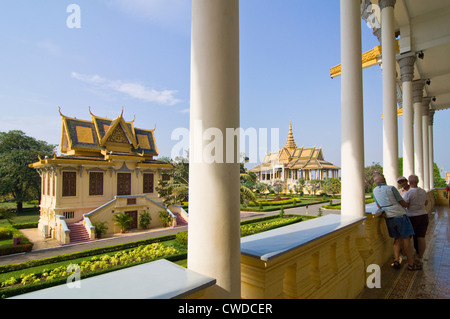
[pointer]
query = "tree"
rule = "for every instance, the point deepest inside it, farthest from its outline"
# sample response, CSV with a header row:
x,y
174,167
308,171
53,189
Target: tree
x,y
176,189
123,220
369,173
299,185
332,186
17,179
314,185
245,190
438,180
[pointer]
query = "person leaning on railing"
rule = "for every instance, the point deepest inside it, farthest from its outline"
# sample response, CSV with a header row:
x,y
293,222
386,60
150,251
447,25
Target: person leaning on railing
x,y
417,199
447,189
398,224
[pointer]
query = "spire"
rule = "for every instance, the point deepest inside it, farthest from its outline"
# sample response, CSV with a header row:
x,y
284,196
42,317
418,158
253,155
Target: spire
x,y
290,144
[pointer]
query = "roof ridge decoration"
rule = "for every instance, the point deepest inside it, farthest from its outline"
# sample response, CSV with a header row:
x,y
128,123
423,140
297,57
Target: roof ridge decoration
x,y
290,143
100,134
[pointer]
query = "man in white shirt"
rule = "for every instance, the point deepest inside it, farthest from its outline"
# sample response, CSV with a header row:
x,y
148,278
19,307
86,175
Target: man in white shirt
x,y
398,224
417,199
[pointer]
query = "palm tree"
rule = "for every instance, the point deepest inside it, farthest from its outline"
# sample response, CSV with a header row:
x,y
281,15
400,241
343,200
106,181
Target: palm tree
x,y
246,193
123,220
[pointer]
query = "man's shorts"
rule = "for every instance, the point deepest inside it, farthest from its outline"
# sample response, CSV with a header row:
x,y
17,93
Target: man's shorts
x,y
420,224
399,227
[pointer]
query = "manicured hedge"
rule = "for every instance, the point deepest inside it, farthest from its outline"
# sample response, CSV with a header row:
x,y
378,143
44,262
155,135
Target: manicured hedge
x,y
5,233
86,253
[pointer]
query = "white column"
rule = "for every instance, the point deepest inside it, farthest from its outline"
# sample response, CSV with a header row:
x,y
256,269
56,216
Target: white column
x,y
214,209
352,126
431,147
426,163
418,142
406,63
390,124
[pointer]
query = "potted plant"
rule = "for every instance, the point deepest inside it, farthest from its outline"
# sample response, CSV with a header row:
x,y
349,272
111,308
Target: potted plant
x,y
145,219
123,220
165,218
100,229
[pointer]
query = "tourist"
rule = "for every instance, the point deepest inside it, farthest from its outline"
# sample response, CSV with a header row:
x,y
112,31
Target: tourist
x,y
447,189
416,198
403,182
404,187
398,224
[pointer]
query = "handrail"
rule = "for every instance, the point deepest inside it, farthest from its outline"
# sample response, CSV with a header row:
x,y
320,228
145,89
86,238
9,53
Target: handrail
x,y
62,222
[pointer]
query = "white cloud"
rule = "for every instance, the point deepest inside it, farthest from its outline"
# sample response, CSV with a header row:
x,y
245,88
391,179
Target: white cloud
x,y
132,89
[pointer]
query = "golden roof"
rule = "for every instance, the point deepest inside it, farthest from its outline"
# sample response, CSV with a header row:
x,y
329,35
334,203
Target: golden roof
x,y
293,157
106,136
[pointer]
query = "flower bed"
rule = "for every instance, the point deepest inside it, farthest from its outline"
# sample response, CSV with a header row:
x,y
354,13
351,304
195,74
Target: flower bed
x,y
253,228
96,265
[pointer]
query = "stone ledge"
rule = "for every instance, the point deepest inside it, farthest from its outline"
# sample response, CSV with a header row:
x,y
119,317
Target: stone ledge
x,y
160,279
270,244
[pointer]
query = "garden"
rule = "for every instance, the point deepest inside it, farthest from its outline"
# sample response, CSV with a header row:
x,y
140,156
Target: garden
x,y
11,239
33,275
274,202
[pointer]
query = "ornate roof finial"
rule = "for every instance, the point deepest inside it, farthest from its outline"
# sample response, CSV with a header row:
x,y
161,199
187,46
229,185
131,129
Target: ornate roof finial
x,y
59,110
290,143
91,112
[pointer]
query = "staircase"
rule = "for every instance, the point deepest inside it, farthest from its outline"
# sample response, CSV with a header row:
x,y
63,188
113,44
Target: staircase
x,y
78,233
180,220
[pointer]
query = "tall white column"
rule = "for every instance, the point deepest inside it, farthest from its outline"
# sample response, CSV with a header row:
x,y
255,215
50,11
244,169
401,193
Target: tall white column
x,y
426,162
352,126
418,142
431,147
406,63
214,206
390,124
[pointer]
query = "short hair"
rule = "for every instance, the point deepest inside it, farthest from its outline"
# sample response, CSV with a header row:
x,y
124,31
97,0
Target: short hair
x,y
378,178
413,179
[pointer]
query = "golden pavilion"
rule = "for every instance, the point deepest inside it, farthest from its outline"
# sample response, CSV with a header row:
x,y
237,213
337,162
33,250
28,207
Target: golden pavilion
x,y
292,163
108,168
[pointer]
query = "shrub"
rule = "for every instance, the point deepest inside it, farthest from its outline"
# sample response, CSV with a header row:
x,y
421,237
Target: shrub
x,y
165,218
182,238
5,233
145,219
100,228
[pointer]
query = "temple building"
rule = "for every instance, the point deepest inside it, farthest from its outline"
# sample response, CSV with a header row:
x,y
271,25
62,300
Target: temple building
x,y
107,168
292,163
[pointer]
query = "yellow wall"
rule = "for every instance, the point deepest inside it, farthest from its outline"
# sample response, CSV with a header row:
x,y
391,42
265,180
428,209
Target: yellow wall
x,y
83,203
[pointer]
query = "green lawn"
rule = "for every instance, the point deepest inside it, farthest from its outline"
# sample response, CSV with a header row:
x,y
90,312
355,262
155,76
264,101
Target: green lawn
x,y
257,225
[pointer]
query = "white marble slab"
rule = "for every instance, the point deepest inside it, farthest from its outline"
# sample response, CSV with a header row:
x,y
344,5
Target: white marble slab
x,y
272,243
156,280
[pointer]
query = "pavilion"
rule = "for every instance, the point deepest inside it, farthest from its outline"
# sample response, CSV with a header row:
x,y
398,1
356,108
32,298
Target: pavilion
x,y
292,163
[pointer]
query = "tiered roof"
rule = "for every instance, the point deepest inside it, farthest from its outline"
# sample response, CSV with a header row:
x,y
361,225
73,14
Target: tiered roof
x,y
106,136
293,157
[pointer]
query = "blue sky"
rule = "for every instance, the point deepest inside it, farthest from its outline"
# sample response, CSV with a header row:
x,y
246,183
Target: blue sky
x,y
135,54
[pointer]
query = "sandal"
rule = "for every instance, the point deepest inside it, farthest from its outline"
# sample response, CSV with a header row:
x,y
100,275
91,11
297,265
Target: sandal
x,y
395,264
414,267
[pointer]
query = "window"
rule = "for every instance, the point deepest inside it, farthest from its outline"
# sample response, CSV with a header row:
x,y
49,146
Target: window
x,y
69,215
123,184
69,184
148,183
165,177
95,183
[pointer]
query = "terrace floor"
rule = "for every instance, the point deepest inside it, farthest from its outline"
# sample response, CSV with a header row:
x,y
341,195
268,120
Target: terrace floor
x,y
433,281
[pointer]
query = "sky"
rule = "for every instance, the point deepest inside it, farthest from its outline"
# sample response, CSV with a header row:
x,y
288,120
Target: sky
x,y
109,55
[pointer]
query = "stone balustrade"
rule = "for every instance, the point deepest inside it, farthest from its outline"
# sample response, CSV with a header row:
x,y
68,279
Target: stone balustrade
x,y
318,258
